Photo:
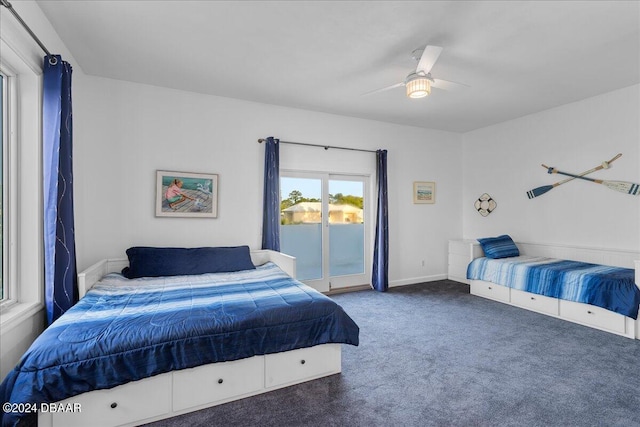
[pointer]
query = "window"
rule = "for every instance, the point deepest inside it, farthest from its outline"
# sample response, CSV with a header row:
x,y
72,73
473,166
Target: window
x,y
8,115
20,211
21,309
3,138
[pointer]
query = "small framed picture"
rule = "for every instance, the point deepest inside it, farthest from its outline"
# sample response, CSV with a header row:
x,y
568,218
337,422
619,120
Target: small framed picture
x,y
424,192
185,194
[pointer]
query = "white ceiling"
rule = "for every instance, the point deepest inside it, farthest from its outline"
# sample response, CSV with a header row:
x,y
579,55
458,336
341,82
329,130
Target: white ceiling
x,y
517,57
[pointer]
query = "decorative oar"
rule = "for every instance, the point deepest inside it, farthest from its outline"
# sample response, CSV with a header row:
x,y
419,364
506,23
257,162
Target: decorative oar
x,y
541,190
621,186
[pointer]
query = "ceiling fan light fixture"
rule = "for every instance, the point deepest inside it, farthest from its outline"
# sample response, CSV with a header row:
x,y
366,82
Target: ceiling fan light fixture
x,y
418,86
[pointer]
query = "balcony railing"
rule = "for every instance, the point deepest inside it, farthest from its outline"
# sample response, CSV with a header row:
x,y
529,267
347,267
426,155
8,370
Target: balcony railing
x,y
304,241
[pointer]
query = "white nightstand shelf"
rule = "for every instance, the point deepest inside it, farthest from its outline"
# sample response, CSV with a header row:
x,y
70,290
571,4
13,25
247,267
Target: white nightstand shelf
x,y
461,253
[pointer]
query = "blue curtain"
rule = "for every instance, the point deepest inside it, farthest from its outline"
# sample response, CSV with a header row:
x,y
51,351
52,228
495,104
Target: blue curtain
x,y
380,276
61,290
271,200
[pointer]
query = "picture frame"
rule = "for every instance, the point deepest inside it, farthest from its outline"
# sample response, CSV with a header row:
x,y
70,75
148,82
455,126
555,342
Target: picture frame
x,y
192,195
424,192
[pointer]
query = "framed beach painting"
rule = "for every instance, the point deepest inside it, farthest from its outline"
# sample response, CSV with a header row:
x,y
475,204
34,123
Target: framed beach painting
x,y
424,192
185,194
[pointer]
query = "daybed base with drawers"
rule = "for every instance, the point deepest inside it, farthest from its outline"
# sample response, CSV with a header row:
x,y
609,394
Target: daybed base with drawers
x,y
174,392
577,312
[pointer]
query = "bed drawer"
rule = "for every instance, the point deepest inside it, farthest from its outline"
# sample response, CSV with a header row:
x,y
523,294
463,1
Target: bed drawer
x,y
296,366
217,382
124,404
591,315
535,302
489,290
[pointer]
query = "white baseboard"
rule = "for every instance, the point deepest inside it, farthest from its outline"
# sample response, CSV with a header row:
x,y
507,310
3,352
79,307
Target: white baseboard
x,y
414,280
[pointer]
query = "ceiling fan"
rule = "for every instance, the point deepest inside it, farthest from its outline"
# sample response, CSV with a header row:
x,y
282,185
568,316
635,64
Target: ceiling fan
x,y
419,82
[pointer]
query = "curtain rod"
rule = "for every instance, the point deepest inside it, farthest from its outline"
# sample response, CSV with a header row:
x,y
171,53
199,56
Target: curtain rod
x,y
326,147
52,59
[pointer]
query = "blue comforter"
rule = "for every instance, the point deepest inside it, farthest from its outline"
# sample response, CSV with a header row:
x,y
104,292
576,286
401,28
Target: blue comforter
x,y
125,330
612,288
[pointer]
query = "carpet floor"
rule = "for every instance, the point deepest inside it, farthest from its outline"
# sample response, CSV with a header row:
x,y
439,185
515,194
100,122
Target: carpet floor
x,y
433,355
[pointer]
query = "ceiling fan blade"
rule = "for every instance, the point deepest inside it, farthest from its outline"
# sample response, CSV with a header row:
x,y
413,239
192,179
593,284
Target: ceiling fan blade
x,y
429,57
448,85
383,89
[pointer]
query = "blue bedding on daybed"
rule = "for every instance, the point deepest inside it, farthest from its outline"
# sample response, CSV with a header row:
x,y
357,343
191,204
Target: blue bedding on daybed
x,y
124,330
612,288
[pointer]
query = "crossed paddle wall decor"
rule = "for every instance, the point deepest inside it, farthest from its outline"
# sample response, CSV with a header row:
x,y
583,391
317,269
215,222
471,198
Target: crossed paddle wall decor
x,y
620,186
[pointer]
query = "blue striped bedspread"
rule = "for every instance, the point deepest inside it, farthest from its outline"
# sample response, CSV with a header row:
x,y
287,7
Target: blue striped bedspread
x,y
612,288
124,330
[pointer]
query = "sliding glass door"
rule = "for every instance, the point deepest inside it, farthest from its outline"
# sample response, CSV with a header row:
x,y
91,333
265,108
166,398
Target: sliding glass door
x,y
324,225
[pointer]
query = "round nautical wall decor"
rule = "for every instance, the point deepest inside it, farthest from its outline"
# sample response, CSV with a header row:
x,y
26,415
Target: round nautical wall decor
x,y
485,204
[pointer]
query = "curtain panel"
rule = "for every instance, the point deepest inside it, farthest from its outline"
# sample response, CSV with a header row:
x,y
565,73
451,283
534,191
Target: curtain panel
x,y
380,275
61,291
271,199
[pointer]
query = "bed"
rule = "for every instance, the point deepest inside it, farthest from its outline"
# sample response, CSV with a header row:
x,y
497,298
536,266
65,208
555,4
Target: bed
x,y
140,349
605,297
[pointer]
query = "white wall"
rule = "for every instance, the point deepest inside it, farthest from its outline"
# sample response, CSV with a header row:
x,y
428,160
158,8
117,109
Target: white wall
x,y
504,160
124,132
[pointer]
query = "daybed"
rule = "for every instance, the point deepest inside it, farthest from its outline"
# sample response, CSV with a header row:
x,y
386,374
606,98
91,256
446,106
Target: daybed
x,y
151,347
604,297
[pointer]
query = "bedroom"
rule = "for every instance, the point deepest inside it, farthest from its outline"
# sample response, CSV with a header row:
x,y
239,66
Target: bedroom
x,y
127,128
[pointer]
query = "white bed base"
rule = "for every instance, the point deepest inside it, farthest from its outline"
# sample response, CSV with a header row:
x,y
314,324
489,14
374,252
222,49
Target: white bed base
x,y
180,392
584,314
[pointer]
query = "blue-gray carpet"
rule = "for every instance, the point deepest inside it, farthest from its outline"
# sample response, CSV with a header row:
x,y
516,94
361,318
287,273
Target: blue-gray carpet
x,y
433,355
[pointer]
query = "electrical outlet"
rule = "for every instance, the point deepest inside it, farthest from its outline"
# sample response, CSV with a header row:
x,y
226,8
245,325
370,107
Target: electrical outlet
x,y
422,263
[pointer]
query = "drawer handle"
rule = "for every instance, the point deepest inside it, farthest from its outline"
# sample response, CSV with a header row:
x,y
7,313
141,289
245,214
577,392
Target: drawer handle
x,y
533,299
589,312
220,381
302,362
114,405
489,287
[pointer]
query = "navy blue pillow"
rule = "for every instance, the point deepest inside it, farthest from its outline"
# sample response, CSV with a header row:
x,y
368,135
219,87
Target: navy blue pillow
x,y
154,262
499,247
